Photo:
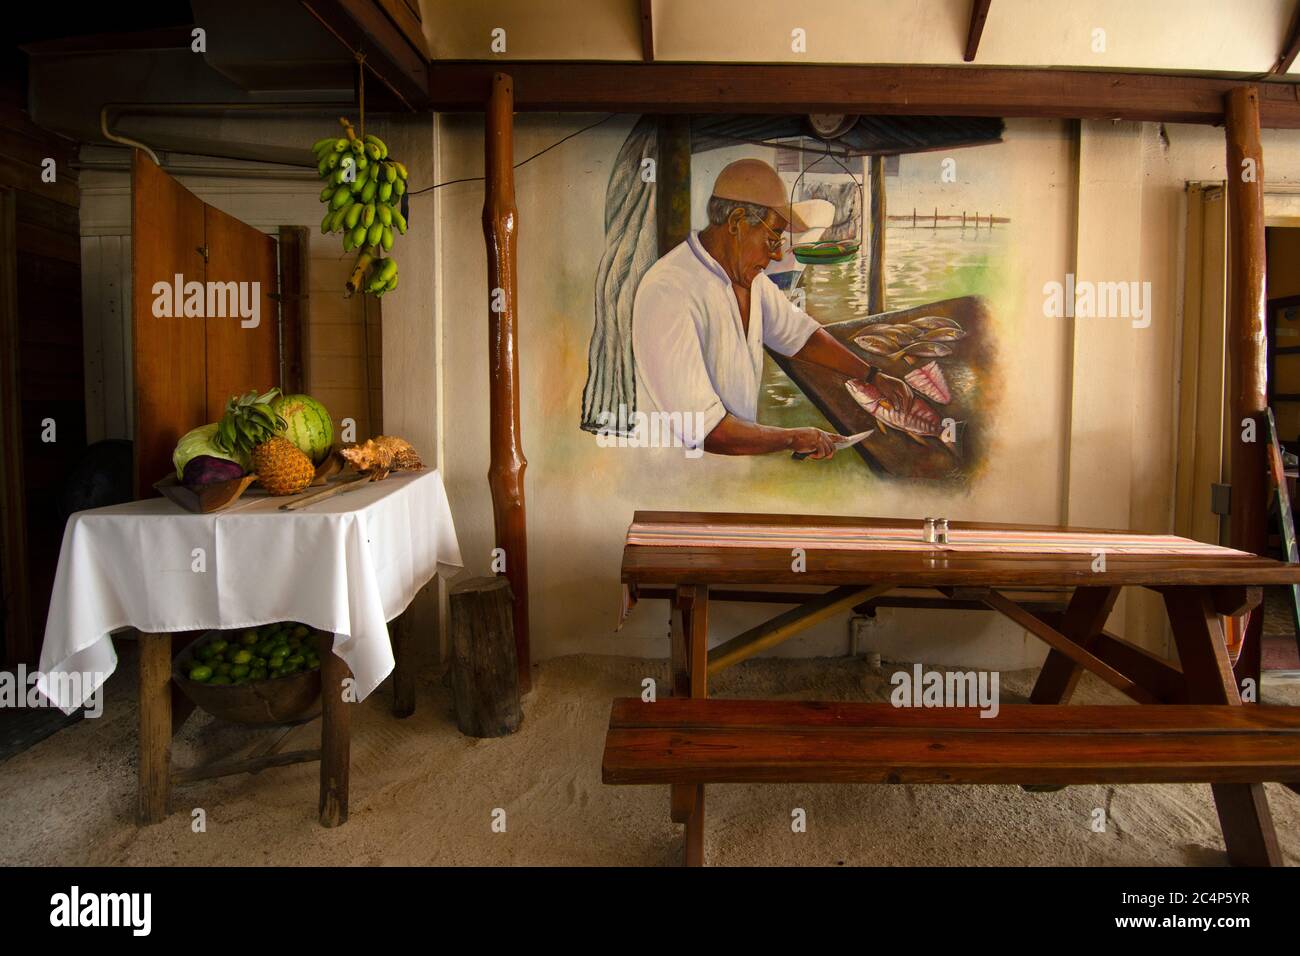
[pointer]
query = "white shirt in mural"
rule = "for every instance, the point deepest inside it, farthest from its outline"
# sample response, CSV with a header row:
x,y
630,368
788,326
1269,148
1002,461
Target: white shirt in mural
x,y
692,353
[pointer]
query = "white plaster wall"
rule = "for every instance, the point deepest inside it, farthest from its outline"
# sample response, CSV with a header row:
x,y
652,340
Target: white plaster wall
x,y
1083,431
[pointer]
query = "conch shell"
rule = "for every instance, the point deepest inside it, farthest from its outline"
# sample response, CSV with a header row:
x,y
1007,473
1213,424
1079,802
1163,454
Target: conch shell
x,y
381,455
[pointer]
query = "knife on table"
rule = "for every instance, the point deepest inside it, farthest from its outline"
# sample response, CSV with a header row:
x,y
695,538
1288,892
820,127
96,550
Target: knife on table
x,y
840,445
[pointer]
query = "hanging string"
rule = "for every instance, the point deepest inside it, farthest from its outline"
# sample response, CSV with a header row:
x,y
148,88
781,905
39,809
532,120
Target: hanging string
x,y
861,217
361,92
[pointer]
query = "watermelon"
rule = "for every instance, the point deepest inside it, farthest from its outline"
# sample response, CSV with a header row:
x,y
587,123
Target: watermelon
x,y
307,425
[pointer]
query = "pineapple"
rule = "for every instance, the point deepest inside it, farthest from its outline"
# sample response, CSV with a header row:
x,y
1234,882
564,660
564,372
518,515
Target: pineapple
x,y
251,427
281,467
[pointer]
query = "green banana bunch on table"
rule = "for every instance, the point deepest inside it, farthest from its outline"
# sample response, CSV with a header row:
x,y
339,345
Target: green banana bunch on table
x,y
362,191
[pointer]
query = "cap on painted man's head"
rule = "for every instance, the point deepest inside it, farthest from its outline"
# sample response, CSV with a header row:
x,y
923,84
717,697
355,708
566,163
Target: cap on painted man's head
x,y
754,181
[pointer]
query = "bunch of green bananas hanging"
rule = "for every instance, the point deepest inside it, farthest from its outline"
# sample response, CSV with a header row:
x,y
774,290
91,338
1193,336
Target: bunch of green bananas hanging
x,y
248,422
363,189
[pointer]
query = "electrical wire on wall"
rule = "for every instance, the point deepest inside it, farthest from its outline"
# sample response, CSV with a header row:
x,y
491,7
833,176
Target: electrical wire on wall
x,y
479,179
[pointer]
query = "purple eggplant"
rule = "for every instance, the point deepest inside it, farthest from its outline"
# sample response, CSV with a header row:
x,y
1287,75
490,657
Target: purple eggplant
x,y
203,470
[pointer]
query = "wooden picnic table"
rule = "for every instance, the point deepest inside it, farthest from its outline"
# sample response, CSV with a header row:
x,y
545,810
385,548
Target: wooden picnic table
x,y
848,562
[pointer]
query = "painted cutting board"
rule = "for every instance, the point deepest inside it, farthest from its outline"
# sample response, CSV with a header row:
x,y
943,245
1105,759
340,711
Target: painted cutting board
x,y
966,371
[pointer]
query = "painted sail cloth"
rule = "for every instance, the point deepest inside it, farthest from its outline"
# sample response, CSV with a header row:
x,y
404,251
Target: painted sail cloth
x,y
985,540
346,565
631,247
631,234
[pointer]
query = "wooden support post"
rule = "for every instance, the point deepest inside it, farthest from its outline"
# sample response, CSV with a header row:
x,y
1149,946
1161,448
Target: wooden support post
x,y
1248,369
876,270
335,736
484,672
1075,652
507,463
155,745
1084,619
647,31
787,625
979,12
673,181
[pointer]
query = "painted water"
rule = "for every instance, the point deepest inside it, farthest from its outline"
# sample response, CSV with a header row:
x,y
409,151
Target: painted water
x,y
921,265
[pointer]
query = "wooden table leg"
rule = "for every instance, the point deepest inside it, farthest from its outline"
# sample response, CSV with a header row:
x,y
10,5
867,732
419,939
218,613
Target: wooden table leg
x,y
400,632
694,850
694,605
335,736
1244,815
155,745
681,797
690,671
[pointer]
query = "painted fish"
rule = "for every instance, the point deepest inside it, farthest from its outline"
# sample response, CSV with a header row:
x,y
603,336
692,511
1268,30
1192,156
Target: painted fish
x,y
928,322
876,344
922,350
929,381
919,421
906,332
943,335
891,335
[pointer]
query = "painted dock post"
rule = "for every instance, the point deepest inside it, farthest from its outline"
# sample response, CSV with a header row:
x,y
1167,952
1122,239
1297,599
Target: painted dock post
x,y
876,264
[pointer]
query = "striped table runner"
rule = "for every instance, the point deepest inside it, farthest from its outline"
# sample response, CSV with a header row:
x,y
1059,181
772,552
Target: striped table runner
x,y
864,538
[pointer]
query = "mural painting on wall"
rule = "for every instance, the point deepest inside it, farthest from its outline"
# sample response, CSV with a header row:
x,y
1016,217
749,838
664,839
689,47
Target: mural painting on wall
x,y
807,311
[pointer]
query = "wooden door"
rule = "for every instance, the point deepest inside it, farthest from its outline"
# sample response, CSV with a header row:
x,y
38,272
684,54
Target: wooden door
x,y
240,355
170,350
192,353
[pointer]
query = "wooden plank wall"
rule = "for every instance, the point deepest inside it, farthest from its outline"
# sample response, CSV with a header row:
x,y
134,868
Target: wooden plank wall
x,y
44,384
106,310
344,345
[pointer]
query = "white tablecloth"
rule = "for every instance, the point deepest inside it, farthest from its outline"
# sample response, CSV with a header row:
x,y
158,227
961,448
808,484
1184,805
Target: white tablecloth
x,y
346,565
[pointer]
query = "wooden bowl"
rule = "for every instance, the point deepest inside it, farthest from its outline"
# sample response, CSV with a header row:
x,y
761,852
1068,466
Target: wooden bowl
x,y
214,497
276,700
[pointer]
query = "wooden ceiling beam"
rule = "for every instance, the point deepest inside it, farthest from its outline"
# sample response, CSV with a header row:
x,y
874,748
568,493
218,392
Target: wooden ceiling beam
x,y
363,27
979,12
881,90
407,20
647,31
1292,47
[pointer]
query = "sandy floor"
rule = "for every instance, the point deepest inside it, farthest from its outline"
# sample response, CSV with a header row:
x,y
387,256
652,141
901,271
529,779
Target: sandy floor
x,y
423,794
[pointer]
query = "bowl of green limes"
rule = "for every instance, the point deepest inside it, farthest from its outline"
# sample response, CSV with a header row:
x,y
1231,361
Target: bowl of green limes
x,y
259,675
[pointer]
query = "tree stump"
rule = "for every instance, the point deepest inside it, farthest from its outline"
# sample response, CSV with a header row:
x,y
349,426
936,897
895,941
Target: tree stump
x,y
484,664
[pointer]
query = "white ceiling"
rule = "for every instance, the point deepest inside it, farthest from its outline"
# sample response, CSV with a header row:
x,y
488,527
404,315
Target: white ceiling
x,y
1194,36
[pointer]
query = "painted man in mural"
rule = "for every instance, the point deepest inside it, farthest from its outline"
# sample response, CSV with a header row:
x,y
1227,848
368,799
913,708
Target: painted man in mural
x,y
706,309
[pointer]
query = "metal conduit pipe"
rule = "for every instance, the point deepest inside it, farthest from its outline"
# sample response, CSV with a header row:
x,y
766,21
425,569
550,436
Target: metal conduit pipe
x,y
117,110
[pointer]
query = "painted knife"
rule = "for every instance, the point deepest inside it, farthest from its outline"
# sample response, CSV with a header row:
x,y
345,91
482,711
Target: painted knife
x,y
840,445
